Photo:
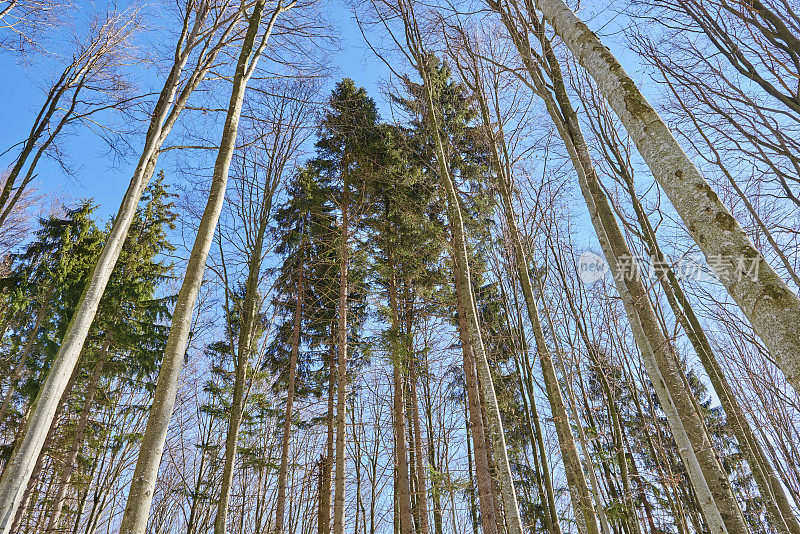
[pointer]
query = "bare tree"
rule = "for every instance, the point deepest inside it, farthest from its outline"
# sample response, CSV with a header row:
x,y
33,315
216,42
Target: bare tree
x,y
90,83
22,22
281,127
205,31
140,496
474,75
768,303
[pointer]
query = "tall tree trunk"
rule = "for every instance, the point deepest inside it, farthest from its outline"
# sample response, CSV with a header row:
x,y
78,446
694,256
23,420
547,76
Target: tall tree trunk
x,y
709,479
247,339
402,485
134,520
438,526
169,106
499,449
191,523
341,366
658,355
327,464
769,485
576,479
537,428
484,481
290,392
422,486
766,300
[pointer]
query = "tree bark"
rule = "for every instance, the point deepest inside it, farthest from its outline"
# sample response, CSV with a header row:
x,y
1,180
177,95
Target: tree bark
x,y
247,333
403,486
484,481
766,300
707,476
341,368
134,520
500,452
287,422
168,108
422,497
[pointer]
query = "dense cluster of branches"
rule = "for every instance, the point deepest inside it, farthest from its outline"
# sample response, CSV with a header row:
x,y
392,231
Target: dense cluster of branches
x,y
510,295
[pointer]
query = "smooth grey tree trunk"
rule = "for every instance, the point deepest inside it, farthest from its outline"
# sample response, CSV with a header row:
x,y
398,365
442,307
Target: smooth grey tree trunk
x,y
242,357
137,510
765,299
492,410
576,478
23,459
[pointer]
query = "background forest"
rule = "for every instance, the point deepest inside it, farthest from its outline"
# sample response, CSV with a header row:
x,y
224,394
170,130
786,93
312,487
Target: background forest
x,y
314,266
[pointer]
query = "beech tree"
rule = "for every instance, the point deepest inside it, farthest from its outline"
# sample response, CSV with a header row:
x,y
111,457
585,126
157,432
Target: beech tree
x,y
459,293
202,29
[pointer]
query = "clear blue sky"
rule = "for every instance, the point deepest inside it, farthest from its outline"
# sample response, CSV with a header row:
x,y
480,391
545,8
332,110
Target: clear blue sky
x,y
96,173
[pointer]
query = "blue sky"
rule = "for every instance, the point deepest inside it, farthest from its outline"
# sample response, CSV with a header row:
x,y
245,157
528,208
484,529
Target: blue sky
x,y
96,173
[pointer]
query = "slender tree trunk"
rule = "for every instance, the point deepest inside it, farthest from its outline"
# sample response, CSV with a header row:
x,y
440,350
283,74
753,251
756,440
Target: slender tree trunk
x,y
484,481
520,346
662,365
675,400
766,300
432,455
500,452
80,431
473,508
191,523
250,307
287,422
327,467
403,487
20,466
422,497
537,429
576,479
134,520
235,413
341,371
